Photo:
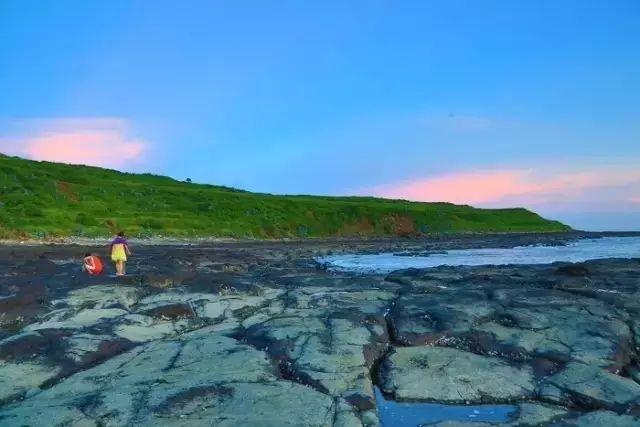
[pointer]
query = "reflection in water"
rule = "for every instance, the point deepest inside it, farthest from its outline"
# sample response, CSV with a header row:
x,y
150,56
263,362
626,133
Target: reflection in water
x,y
406,414
578,251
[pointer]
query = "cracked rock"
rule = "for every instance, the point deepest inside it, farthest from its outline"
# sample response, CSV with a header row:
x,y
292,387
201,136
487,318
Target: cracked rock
x,y
591,387
454,376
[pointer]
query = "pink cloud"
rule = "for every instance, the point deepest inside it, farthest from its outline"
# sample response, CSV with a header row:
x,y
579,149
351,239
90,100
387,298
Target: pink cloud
x,y
457,188
99,142
100,148
523,187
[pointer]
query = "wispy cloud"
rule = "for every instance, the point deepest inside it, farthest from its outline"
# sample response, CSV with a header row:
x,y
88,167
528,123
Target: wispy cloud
x,y
106,142
601,187
463,123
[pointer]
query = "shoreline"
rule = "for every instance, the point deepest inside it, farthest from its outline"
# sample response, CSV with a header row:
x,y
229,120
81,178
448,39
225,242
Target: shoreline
x,y
178,241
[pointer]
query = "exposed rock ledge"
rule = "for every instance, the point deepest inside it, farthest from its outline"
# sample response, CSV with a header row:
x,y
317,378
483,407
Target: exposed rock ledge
x,y
257,335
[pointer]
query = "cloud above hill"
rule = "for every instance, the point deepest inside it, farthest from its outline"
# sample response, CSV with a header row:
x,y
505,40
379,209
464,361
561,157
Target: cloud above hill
x,y
601,188
105,142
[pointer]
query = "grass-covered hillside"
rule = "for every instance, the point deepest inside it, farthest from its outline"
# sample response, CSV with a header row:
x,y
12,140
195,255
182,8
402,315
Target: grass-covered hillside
x,y
42,199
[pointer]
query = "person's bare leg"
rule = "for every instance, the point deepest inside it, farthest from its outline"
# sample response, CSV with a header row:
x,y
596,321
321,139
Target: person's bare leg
x,y
123,269
118,268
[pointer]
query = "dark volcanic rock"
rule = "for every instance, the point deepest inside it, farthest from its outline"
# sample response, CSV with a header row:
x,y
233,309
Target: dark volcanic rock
x,y
254,334
171,311
521,312
573,270
26,295
23,306
39,266
24,346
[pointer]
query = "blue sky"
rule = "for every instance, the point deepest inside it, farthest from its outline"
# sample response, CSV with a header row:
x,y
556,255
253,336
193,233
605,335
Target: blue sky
x,y
493,103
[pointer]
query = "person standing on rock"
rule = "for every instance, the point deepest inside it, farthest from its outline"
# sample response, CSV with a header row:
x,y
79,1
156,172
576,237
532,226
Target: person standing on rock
x,y
119,250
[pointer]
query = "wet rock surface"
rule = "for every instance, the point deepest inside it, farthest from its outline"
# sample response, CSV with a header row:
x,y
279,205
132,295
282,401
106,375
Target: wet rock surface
x,y
260,334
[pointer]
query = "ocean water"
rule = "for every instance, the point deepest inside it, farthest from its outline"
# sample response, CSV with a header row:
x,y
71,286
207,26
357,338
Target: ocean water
x,y
577,251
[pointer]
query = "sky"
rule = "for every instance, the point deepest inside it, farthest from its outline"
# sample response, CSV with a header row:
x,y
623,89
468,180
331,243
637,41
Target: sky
x,y
488,103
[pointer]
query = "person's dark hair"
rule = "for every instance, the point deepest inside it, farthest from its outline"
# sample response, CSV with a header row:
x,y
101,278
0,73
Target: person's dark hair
x,y
121,234
87,254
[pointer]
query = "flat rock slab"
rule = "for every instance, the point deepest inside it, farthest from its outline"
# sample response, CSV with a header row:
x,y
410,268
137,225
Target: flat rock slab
x,y
202,379
599,419
18,378
101,296
591,386
537,415
453,376
68,319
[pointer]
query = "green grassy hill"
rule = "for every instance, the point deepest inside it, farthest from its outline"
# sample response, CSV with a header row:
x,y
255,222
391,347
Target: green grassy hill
x,y
42,199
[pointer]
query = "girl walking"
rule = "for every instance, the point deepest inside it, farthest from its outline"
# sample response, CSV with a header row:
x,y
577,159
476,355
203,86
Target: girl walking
x,y
119,250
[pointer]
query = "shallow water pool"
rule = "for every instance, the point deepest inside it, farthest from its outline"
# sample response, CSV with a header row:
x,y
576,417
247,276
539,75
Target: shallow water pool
x,y
404,414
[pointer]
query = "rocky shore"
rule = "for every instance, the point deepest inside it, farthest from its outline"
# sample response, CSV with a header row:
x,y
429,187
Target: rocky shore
x,y
260,334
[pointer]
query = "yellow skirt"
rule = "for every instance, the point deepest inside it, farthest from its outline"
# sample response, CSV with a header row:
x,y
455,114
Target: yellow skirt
x,y
118,253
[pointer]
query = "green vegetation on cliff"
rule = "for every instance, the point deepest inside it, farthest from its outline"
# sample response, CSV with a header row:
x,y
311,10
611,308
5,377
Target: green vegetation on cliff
x,y
41,199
